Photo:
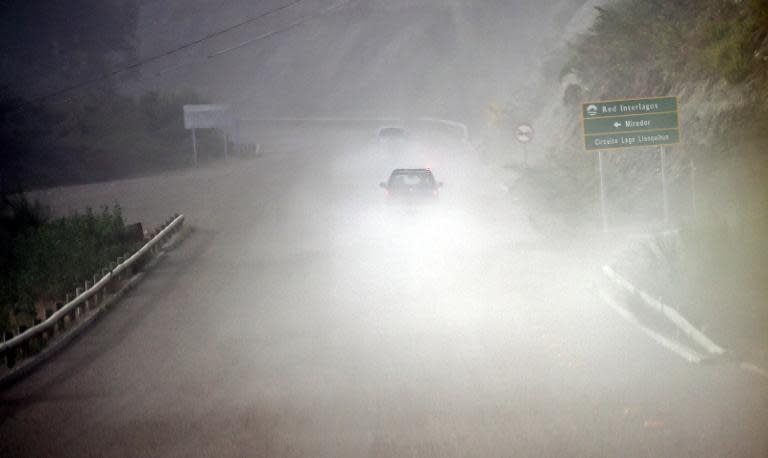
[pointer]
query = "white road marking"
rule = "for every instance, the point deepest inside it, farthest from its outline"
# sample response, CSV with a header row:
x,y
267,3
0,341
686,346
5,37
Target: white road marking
x,y
675,347
671,314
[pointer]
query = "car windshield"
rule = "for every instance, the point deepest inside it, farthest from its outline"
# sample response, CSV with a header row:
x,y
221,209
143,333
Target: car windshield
x,y
412,179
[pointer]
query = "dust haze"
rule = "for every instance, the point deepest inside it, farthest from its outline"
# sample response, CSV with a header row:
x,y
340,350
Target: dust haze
x,y
305,315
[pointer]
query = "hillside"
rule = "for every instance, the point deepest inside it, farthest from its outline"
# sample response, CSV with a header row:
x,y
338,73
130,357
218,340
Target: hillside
x,y
714,57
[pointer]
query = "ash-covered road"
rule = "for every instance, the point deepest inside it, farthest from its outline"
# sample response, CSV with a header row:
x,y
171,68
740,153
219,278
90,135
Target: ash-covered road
x,y
304,318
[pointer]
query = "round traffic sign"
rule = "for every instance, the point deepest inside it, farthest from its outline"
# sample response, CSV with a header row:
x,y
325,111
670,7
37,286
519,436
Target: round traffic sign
x,y
524,133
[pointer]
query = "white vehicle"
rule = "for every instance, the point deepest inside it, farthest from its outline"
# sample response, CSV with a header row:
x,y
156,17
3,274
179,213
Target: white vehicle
x,y
392,139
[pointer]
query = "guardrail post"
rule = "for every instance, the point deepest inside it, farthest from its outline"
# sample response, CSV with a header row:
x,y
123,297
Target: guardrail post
x,y
39,341
97,293
113,280
90,302
25,344
105,289
63,322
168,223
119,261
10,355
58,326
52,330
79,310
128,272
72,315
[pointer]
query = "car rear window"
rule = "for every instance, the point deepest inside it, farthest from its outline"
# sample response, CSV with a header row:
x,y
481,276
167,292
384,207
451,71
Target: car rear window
x,y
392,132
412,179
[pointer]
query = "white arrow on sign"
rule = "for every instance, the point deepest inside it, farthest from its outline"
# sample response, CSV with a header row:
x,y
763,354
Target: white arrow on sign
x,y
617,124
524,133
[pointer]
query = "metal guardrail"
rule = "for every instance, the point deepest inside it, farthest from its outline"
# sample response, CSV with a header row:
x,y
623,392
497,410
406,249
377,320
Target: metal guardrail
x,y
669,312
88,298
453,124
462,128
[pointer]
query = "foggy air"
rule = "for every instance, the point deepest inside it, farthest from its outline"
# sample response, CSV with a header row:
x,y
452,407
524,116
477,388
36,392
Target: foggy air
x,y
383,228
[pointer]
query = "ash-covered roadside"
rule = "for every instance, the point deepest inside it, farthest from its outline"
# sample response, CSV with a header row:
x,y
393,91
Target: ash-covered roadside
x,y
710,274
711,270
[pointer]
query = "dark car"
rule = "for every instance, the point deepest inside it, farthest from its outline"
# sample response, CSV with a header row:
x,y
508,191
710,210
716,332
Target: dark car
x,y
393,140
393,133
412,186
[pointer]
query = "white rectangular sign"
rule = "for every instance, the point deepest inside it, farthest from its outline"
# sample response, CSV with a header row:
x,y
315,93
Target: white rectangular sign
x,y
207,116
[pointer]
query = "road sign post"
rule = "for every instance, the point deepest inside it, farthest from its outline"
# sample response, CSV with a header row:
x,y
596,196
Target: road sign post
x,y
631,123
663,153
525,155
694,204
524,135
194,148
208,117
603,211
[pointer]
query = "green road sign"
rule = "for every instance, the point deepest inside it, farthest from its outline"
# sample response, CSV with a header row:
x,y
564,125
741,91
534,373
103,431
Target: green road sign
x,y
630,123
629,140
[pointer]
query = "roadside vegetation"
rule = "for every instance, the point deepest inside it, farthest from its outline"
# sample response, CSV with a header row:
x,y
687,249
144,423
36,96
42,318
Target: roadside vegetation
x,y
653,45
713,55
95,138
43,259
51,45
52,134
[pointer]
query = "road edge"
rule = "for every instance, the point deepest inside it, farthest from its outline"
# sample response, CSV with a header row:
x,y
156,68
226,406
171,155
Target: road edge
x,y
678,320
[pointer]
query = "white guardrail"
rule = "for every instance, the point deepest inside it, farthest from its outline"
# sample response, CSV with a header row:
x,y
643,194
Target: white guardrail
x,y
456,125
89,298
392,120
670,313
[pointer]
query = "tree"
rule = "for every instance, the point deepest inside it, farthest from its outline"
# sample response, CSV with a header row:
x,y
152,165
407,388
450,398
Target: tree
x,y
47,43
